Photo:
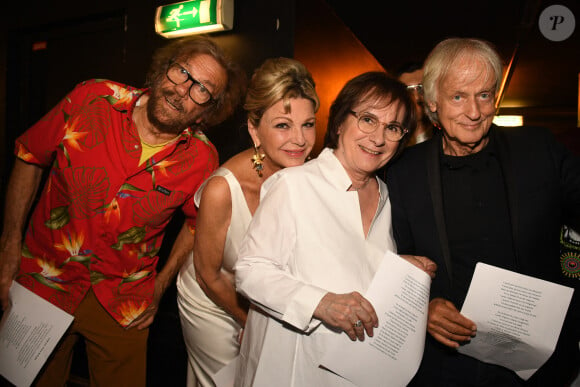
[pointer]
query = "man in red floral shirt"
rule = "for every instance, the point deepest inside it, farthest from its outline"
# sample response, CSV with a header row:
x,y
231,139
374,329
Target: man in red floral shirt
x,y
122,161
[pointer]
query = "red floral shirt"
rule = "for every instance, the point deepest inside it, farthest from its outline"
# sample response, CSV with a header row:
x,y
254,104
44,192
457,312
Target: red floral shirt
x,y
101,217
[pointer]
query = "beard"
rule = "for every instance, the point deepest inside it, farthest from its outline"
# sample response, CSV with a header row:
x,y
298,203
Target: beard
x,y
165,119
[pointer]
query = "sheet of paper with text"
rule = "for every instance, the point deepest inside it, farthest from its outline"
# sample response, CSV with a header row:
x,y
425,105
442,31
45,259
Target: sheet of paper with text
x,y
29,331
518,318
399,293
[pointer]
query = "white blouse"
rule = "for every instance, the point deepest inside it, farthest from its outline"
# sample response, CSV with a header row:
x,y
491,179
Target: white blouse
x,y
306,239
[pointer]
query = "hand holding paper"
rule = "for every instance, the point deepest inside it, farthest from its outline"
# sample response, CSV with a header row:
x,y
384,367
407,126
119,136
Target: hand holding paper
x,y
519,318
447,325
332,307
29,331
423,263
399,293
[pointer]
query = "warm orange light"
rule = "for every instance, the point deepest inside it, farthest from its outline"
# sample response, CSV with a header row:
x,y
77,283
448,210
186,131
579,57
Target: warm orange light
x,y
508,120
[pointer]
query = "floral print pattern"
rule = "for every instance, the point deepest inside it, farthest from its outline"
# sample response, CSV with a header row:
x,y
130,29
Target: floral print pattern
x,y
101,217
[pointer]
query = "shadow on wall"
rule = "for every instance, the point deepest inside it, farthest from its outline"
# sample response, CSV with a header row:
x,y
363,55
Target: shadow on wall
x,y
331,52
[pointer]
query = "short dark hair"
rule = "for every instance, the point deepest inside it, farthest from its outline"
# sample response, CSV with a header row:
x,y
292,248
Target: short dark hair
x,y
408,67
370,85
188,47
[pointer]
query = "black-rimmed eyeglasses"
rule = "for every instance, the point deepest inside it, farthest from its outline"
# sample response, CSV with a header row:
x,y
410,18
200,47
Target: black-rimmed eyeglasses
x,y
369,123
198,93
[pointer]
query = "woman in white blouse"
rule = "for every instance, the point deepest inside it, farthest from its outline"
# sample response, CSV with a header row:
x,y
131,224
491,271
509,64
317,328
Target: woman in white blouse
x,y
281,103
318,237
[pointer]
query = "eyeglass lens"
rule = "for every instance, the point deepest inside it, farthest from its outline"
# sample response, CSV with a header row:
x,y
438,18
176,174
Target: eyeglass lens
x,y
197,91
369,124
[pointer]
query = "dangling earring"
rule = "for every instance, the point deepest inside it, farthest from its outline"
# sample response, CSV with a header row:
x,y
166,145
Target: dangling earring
x,y
257,161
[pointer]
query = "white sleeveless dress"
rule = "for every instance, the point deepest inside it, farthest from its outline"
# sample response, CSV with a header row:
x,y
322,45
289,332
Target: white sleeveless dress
x,y
210,334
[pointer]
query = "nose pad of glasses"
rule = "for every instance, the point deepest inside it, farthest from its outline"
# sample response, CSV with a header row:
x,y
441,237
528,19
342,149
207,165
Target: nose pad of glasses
x,y
183,89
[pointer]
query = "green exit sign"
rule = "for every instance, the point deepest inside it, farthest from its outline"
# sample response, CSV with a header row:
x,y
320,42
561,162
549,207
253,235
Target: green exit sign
x,y
194,17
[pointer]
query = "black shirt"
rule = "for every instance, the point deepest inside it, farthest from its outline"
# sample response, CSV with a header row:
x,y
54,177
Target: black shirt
x,y
476,216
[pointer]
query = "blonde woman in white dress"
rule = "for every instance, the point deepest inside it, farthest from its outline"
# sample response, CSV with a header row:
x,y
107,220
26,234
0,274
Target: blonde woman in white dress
x,y
281,104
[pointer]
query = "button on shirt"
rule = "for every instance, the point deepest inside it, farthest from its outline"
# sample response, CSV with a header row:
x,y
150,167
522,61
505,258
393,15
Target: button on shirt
x,y
101,218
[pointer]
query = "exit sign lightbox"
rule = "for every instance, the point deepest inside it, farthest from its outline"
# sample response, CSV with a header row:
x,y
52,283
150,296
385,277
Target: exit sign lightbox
x,y
194,17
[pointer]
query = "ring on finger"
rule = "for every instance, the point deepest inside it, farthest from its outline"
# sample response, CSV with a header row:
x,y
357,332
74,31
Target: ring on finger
x,y
358,324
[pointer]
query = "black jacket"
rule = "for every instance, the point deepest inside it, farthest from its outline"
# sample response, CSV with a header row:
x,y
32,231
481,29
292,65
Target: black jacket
x,y
542,181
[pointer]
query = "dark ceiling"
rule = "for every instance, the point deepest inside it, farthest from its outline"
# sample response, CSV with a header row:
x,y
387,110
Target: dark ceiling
x,y
546,72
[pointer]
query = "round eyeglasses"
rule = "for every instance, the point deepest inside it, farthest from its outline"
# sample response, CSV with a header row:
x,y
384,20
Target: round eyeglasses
x,y
368,123
198,93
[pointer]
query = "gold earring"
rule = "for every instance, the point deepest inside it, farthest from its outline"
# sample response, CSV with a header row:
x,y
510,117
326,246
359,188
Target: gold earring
x,y
257,161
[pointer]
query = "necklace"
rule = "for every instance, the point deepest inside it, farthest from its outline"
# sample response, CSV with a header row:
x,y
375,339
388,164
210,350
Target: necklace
x,y
352,188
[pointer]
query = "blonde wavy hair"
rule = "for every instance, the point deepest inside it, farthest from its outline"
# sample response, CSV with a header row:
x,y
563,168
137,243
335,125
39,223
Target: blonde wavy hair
x,y
278,79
